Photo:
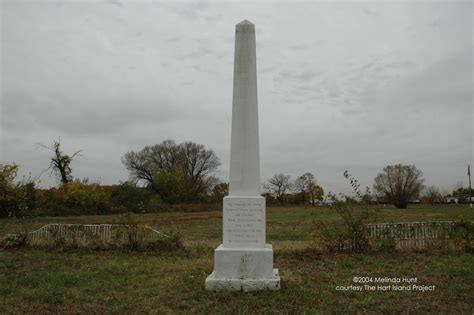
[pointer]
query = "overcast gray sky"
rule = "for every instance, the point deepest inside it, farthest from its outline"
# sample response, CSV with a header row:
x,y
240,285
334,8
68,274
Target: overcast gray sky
x,y
342,85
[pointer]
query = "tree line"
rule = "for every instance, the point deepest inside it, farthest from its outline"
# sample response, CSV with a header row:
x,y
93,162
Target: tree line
x,y
168,174
304,189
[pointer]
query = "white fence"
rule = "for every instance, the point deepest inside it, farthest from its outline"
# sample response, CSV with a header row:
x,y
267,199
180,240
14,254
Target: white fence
x,y
415,235
93,233
406,235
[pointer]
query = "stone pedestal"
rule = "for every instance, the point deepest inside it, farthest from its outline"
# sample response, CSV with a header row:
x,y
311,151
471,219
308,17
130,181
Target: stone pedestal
x,y
246,269
244,261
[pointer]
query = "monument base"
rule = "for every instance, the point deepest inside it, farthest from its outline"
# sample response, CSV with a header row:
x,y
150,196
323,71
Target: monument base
x,y
246,269
246,285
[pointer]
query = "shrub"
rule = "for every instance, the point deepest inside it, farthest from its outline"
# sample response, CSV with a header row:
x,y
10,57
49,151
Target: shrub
x,y
16,197
134,231
351,235
170,187
18,239
75,198
172,241
332,239
14,241
384,243
130,197
462,234
154,204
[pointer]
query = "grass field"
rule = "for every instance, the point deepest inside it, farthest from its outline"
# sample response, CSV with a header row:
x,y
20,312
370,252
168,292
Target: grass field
x,y
283,223
39,281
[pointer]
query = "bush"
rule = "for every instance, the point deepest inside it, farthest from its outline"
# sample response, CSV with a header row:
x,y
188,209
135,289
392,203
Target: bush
x,y
385,243
16,198
351,235
171,242
335,239
170,187
14,241
75,198
134,230
18,239
23,199
462,234
130,197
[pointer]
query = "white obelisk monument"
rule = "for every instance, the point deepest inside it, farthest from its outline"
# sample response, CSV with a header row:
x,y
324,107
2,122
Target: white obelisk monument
x,y
244,261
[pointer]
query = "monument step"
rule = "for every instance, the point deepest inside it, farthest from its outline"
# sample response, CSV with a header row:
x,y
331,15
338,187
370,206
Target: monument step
x,y
232,284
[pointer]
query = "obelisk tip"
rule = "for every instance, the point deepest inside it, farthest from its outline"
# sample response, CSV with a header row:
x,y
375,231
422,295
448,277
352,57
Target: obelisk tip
x,y
245,24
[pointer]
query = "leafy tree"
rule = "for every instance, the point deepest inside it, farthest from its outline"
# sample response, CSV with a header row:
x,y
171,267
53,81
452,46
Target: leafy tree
x,y
306,185
188,167
16,197
169,186
399,184
9,191
300,185
130,197
316,193
278,186
461,192
270,199
31,200
219,191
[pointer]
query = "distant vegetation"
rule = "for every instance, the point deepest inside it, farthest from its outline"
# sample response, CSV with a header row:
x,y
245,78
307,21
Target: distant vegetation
x,y
176,172
181,177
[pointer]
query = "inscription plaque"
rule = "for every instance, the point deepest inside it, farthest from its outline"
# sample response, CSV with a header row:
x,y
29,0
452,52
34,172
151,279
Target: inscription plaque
x,y
244,222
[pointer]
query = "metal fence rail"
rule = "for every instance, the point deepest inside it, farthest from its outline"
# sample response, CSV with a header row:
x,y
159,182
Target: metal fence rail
x,y
93,233
406,235
416,235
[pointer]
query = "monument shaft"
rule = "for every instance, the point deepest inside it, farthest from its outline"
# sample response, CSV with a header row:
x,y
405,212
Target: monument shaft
x,y
244,261
244,152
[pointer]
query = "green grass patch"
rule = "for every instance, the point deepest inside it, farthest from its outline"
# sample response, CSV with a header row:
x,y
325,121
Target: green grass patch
x,y
86,281
283,223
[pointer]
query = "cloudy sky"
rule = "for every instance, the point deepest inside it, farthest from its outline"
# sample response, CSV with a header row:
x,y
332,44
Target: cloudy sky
x,y
342,85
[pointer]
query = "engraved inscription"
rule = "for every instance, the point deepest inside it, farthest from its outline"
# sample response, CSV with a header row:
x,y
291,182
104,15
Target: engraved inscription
x,y
244,222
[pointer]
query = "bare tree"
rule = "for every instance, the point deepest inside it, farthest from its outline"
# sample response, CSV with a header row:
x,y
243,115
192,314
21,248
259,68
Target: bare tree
x,y
300,186
198,164
60,163
433,194
146,164
278,186
306,184
315,191
399,183
189,163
